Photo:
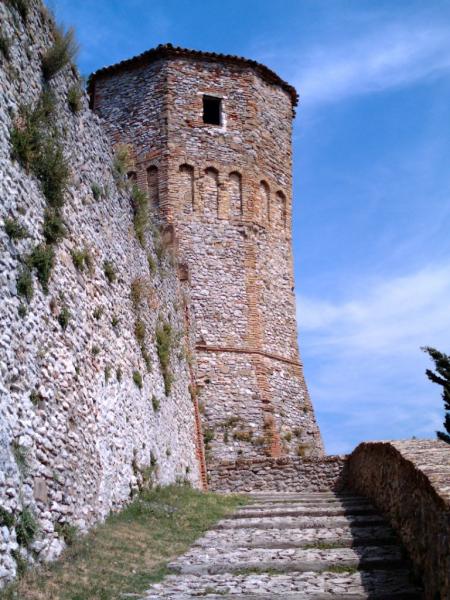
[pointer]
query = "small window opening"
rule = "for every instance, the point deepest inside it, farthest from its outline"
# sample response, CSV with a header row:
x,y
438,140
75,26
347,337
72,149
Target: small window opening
x,y
212,110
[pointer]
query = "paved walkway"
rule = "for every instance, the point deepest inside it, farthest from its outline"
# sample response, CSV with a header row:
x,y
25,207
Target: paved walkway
x,y
310,546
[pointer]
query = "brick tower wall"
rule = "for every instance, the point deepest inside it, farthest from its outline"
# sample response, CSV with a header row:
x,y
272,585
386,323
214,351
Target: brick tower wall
x,y
225,191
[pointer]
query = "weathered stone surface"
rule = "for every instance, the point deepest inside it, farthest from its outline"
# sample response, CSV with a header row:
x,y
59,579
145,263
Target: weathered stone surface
x,y
410,482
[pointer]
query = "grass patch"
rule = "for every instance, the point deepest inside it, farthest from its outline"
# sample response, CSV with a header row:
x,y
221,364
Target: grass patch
x,y
344,569
74,96
63,52
130,551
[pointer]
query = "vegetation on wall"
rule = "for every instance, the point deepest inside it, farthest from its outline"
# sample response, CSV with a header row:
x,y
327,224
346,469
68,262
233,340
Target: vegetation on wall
x,y
441,376
62,53
164,343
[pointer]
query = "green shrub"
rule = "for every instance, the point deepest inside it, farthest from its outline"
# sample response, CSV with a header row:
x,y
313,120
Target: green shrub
x,y
139,202
115,321
98,312
155,403
208,436
74,96
81,259
42,259
95,350
137,379
5,45
6,518
139,331
25,284
151,264
26,528
64,317
107,373
20,454
54,229
147,359
137,292
15,230
22,7
119,374
63,52
68,532
52,170
121,163
35,397
22,310
97,191
164,342
110,271
31,128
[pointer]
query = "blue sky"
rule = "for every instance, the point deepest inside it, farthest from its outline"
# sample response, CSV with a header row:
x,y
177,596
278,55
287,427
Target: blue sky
x,y
371,182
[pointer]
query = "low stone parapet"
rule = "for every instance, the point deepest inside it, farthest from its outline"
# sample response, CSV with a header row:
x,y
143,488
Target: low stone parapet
x,y
410,482
287,474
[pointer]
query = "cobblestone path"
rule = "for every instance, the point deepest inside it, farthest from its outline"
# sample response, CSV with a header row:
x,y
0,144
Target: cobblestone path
x,y
310,546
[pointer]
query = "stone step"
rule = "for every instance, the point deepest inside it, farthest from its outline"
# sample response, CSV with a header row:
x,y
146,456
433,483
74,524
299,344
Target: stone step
x,y
302,522
284,497
313,511
362,585
225,560
307,504
343,537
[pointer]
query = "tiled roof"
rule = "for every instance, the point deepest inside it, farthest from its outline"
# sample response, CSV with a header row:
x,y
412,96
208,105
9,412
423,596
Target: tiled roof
x,y
169,51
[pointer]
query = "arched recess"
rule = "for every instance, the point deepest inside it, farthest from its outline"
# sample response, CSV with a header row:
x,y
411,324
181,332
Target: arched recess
x,y
187,198
153,187
280,210
132,176
235,194
211,192
264,202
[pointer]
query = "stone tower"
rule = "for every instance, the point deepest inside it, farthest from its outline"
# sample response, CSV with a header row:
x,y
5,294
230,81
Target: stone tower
x,y
210,136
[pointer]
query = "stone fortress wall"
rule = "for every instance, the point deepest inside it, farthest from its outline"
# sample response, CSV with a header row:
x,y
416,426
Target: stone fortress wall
x,y
224,192
78,436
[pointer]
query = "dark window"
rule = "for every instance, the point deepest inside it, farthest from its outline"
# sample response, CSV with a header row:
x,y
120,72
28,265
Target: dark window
x,y
212,110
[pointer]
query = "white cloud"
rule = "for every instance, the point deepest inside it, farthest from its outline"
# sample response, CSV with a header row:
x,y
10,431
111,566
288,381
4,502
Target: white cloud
x,y
363,360
399,313
384,57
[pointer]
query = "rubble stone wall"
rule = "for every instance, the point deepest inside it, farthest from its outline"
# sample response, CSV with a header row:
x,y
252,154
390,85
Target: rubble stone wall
x,y
79,434
288,474
225,192
410,482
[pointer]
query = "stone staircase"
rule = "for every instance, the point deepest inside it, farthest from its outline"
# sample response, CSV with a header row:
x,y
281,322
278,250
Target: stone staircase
x,y
309,546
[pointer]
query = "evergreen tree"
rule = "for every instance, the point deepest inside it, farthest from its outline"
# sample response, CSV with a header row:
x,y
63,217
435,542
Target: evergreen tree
x,y
441,377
